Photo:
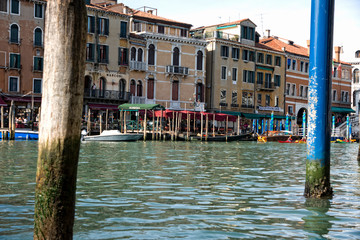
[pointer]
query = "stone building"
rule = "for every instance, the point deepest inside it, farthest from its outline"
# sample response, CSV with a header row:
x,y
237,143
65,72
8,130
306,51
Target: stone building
x,y
244,76
21,54
297,79
166,65
107,51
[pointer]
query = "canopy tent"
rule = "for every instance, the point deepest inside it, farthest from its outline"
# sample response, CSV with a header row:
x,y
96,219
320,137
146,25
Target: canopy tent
x,y
98,106
342,110
136,107
2,103
254,115
197,115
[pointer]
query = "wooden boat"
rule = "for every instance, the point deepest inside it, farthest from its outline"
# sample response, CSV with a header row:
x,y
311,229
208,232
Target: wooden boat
x,y
275,136
114,136
224,138
24,135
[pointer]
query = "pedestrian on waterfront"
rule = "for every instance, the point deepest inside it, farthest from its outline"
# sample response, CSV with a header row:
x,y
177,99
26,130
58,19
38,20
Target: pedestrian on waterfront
x,y
93,88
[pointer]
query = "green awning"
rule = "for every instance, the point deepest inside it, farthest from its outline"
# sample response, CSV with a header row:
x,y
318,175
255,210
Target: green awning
x,y
136,107
342,110
255,115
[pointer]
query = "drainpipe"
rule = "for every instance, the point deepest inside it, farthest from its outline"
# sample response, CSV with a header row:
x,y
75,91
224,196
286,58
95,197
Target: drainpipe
x,y
317,182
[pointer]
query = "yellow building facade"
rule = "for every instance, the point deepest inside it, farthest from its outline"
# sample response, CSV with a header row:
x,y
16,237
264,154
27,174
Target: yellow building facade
x,y
166,65
243,75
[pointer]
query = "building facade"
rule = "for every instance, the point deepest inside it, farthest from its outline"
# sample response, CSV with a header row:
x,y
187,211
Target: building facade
x,y
166,65
21,54
297,79
107,65
244,77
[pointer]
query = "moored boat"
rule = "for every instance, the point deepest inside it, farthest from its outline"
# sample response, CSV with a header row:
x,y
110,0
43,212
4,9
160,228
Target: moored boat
x,y
114,136
24,135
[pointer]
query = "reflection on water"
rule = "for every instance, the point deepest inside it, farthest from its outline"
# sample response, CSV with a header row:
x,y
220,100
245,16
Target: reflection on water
x,y
154,190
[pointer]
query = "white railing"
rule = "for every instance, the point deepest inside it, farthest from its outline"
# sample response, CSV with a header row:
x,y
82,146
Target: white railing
x,y
137,100
139,66
177,70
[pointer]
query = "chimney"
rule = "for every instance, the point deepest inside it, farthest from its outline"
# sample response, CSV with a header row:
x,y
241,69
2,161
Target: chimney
x,y
337,53
150,11
267,33
308,46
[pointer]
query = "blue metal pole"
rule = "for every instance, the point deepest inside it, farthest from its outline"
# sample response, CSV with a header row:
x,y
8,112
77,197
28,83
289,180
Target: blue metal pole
x,y
318,145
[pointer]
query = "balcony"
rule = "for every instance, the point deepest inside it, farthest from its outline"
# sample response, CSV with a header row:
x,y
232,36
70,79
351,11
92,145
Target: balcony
x,y
106,94
138,66
247,106
234,105
267,86
223,104
137,100
177,70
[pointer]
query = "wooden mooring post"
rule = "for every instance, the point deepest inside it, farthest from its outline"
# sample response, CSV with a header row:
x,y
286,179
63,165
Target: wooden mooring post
x,y
145,125
88,130
2,117
59,136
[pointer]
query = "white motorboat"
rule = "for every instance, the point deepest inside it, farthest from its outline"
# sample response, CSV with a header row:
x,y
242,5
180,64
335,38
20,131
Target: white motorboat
x,y
114,136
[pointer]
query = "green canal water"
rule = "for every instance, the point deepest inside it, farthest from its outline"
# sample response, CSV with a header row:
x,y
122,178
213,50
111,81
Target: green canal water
x,y
189,190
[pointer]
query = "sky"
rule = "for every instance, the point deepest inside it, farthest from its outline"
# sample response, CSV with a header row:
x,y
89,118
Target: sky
x,y
285,19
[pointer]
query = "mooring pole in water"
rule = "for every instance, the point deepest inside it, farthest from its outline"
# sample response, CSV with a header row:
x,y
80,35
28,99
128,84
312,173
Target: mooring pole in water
x,y
317,183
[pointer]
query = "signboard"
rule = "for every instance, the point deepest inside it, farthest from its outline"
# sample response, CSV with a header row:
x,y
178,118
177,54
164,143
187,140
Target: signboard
x,y
275,109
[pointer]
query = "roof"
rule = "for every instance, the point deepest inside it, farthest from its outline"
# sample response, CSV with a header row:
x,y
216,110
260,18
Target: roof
x,y
284,45
276,44
224,24
137,14
129,106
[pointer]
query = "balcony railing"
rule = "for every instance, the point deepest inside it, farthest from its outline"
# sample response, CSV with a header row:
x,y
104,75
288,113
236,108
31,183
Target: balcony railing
x,y
247,106
106,94
267,86
177,70
222,35
137,100
139,66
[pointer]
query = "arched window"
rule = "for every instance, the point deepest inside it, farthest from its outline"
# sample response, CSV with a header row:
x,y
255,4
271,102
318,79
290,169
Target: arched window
x,y
139,89
38,37
175,90
150,88
199,92
357,54
87,82
356,76
133,54
176,55
140,55
122,87
102,87
151,55
132,87
14,33
199,60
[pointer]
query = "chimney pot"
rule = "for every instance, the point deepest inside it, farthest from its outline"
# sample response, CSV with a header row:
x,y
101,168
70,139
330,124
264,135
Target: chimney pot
x,y
337,53
267,33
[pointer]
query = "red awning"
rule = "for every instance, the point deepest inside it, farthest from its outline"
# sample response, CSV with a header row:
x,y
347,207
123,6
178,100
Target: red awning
x,y
2,102
23,99
99,106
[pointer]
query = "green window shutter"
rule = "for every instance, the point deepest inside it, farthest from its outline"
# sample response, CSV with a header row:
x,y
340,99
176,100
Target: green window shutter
x,y
106,27
92,24
36,67
119,57
92,50
18,61
98,25
98,53
41,63
107,53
